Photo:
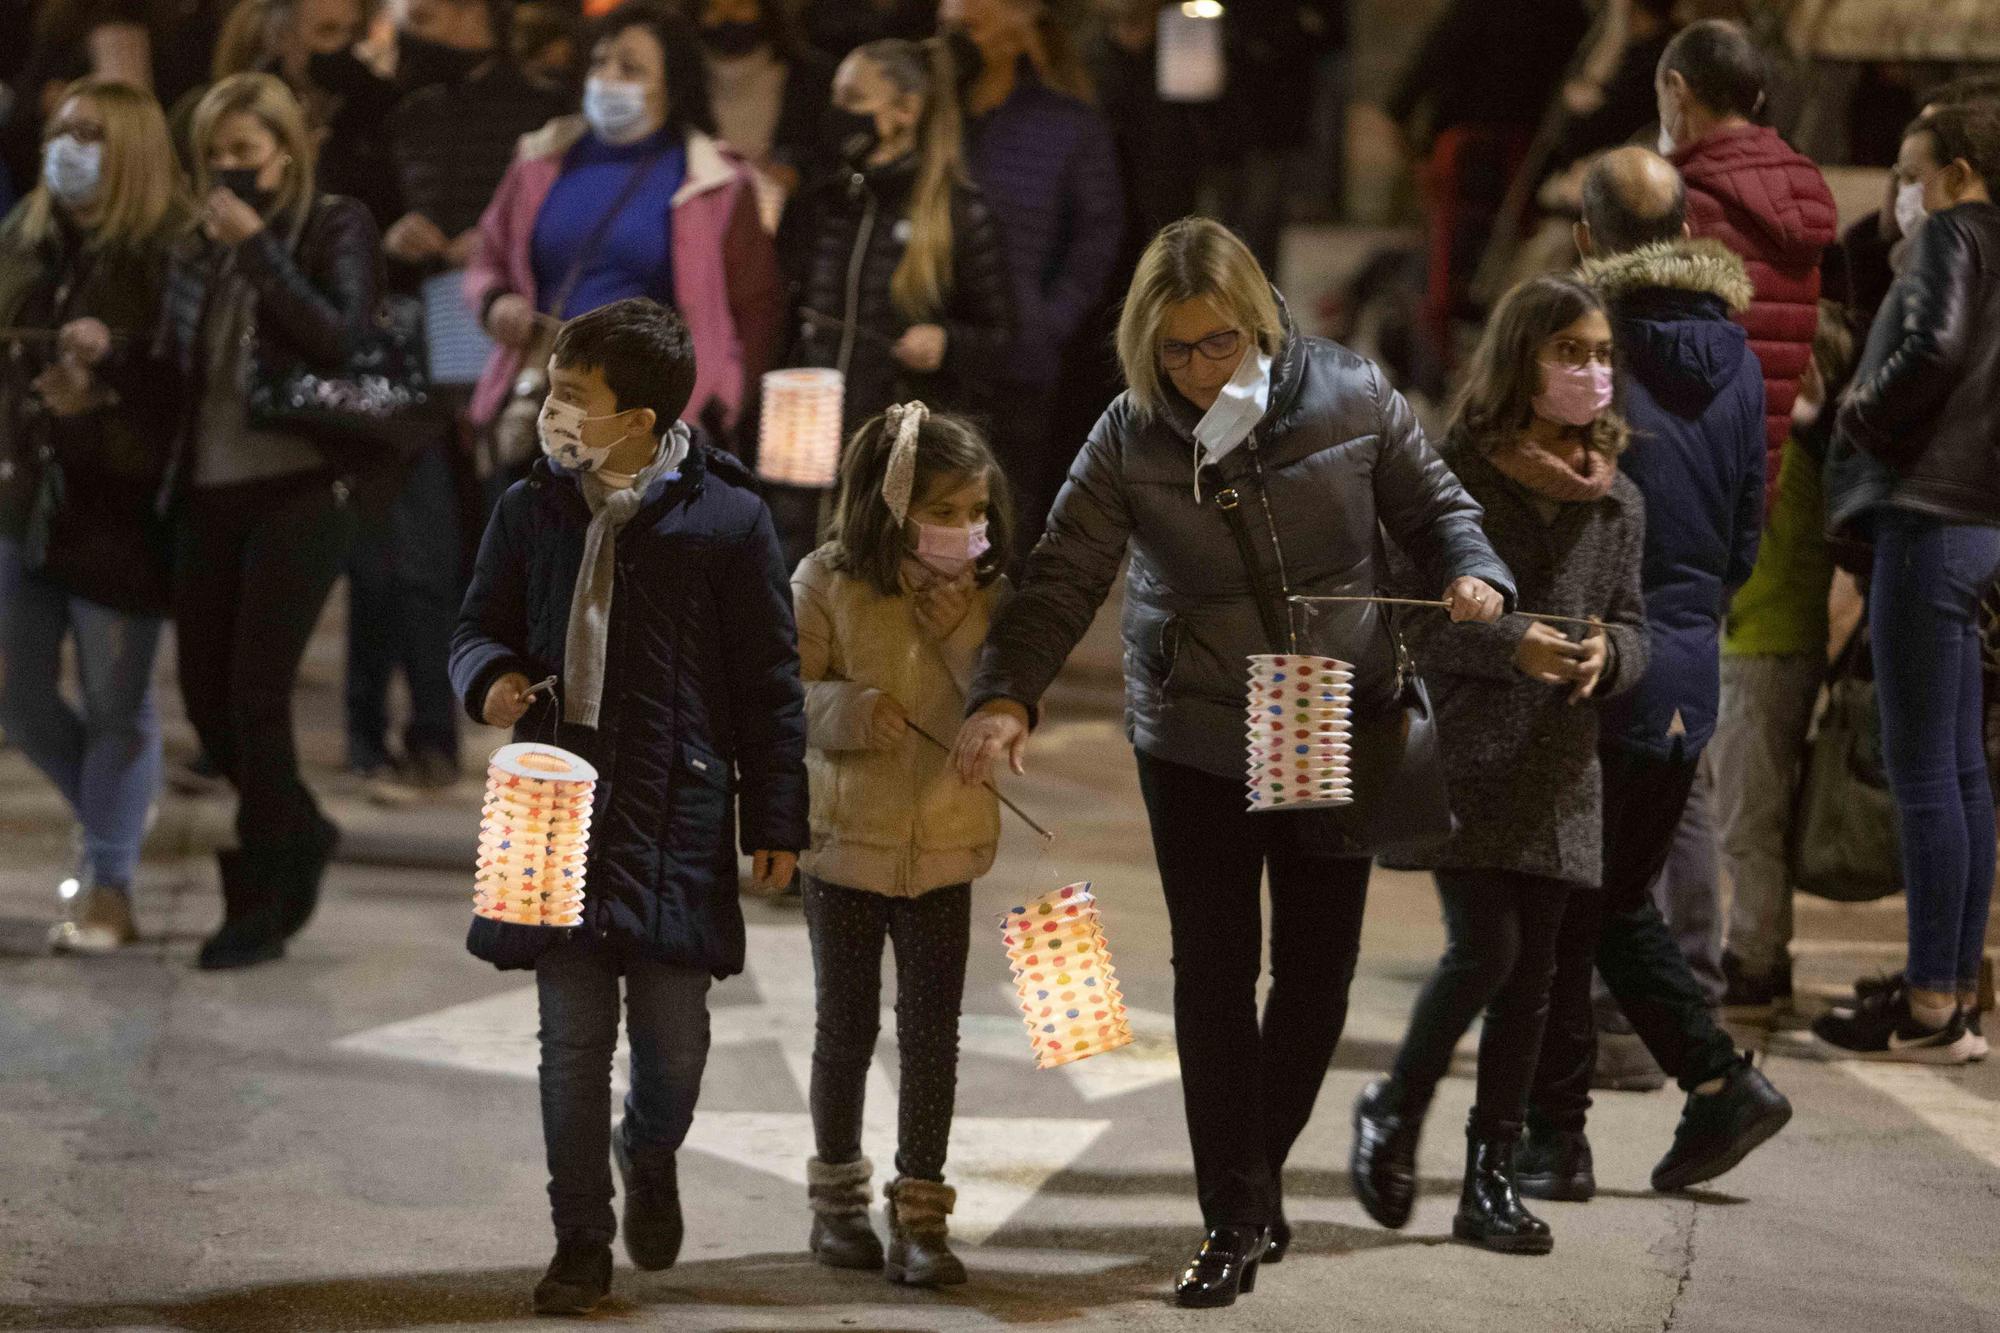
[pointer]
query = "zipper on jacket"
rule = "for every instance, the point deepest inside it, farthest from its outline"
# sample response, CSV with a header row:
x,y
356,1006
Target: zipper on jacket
x,y
862,236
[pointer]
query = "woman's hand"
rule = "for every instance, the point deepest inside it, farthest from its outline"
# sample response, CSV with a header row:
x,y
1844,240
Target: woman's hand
x,y
921,347
84,341
889,725
227,220
1474,599
1590,668
1547,655
67,390
511,320
998,728
414,239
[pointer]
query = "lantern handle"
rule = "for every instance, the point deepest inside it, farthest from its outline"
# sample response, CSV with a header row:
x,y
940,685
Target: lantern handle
x,y
1026,818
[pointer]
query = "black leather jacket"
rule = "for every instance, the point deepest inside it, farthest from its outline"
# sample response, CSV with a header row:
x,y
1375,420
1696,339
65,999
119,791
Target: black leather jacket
x,y
1918,429
317,299
860,232
1343,461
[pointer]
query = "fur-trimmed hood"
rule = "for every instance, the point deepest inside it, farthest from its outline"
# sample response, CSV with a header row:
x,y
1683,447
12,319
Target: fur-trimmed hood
x,y
1705,267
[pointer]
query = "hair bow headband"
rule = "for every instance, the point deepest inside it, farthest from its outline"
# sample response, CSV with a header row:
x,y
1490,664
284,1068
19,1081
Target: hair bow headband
x,y
906,419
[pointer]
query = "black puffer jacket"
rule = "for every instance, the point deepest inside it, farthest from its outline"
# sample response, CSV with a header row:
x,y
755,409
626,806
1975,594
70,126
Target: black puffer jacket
x,y
1918,429
860,233
315,299
78,492
1343,460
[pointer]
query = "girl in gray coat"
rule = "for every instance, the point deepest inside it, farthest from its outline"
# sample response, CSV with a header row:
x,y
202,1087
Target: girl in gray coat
x,y
1534,440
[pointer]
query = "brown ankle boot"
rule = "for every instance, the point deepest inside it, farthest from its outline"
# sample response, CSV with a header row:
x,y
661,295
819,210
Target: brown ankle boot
x,y
919,1246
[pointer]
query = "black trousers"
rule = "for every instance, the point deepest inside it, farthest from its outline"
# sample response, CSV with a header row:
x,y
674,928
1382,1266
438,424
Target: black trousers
x,y
1500,957
254,564
931,934
1622,931
1249,1087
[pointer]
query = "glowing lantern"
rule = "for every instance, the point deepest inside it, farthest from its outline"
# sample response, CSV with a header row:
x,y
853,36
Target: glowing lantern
x,y
1062,971
534,835
798,438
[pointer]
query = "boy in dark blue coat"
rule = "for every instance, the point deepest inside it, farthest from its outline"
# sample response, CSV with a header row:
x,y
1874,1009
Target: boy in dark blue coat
x,y
643,572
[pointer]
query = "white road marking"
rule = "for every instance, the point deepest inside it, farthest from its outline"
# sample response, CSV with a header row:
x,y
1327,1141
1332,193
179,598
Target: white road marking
x,y
1967,1119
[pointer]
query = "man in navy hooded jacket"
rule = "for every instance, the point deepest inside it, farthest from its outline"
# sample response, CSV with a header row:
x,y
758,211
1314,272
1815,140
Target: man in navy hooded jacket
x,y
1694,393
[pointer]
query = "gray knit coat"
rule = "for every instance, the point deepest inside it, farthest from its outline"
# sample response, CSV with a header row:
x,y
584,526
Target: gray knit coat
x,y
1520,760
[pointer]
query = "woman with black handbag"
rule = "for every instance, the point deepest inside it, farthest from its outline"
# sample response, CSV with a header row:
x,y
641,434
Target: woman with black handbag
x,y
1534,440
1244,463
81,263
276,276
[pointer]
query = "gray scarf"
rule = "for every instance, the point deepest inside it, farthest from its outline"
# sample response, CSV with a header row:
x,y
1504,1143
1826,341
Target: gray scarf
x,y
590,605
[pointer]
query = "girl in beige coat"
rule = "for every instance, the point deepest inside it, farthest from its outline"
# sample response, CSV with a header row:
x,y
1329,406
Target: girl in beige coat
x,y
891,612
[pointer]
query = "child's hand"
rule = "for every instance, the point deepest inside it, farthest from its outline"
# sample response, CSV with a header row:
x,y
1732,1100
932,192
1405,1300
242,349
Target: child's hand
x,y
507,700
889,725
940,607
1548,656
1590,669
772,871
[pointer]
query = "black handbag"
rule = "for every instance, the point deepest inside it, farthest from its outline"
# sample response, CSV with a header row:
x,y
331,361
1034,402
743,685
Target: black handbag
x,y
1401,804
1846,830
372,410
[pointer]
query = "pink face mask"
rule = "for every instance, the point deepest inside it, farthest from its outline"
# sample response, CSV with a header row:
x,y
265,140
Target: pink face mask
x,y
1574,395
950,550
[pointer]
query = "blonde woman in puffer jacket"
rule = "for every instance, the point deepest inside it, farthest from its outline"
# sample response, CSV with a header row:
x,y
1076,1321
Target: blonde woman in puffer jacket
x,y
891,613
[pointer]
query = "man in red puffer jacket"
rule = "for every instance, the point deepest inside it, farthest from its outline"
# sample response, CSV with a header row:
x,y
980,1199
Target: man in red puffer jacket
x,y
1753,192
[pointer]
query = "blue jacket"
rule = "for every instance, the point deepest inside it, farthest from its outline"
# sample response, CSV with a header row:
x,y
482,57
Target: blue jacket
x,y
704,716
1050,174
1694,393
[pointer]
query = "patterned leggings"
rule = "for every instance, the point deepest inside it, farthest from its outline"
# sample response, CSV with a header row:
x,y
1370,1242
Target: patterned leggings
x,y
930,934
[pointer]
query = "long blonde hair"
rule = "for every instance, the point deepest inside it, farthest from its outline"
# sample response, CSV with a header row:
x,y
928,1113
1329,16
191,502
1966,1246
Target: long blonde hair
x,y
266,97
1195,257
139,194
923,278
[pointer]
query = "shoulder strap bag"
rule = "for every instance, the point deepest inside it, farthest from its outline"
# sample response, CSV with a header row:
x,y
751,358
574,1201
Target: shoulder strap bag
x,y
1400,801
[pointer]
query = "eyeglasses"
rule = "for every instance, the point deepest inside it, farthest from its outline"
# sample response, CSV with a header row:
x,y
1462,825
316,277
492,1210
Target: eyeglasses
x,y
1215,347
1576,355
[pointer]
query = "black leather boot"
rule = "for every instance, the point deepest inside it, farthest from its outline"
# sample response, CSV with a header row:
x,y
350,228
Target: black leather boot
x,y
1383,1160
300,869
652,1223
250,932
579,1277
1224,1266
919,1240
842,1236
1490,1213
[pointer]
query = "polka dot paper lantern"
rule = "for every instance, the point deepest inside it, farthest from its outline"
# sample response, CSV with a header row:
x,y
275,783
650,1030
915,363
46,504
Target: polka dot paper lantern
x,y
798,435
534,837
1062,970
1298,711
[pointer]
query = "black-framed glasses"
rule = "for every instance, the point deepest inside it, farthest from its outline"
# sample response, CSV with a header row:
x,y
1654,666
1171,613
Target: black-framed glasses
x,y
1576,354
1215,347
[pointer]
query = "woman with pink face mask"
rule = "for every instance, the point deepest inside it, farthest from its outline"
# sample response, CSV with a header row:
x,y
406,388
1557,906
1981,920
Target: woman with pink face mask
x,y
891,612
1535,441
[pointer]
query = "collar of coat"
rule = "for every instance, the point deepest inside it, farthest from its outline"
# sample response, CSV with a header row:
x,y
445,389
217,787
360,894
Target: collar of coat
x,y
1705,267
710,166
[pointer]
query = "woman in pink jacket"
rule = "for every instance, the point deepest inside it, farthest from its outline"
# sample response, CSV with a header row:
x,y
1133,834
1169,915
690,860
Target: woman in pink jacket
x,y
635,197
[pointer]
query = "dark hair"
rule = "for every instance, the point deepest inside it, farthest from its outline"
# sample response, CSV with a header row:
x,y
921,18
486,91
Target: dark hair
x,y
536,27
1833,349
778,27
686,69
1721,64
1616,226
1974,88
868,542
642,349
1967,130
1497,402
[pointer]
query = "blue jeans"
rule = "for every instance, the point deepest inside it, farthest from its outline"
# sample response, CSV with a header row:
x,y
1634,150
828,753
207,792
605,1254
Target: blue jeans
x,y
1924,632
666,1018
104,758
403,591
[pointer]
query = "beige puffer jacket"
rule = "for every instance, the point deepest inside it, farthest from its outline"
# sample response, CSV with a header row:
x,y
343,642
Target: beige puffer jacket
x,y
898,821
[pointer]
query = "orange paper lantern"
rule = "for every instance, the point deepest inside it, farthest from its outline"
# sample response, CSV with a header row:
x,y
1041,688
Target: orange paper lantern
x,y
798,433
1062,970
534,836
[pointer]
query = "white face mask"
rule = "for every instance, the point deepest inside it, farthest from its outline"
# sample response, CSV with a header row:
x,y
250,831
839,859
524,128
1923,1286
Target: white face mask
x,y
72,170
1910,212
1234,413
1666,142
616,110
561,429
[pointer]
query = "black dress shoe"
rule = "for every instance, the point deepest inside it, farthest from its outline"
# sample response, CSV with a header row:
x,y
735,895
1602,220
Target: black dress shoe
x,y
1281,1242
1720,1129
653,1226
579,1277
1555,1165
244,942
1490,1213
1383,1160
1225,1265
299,869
